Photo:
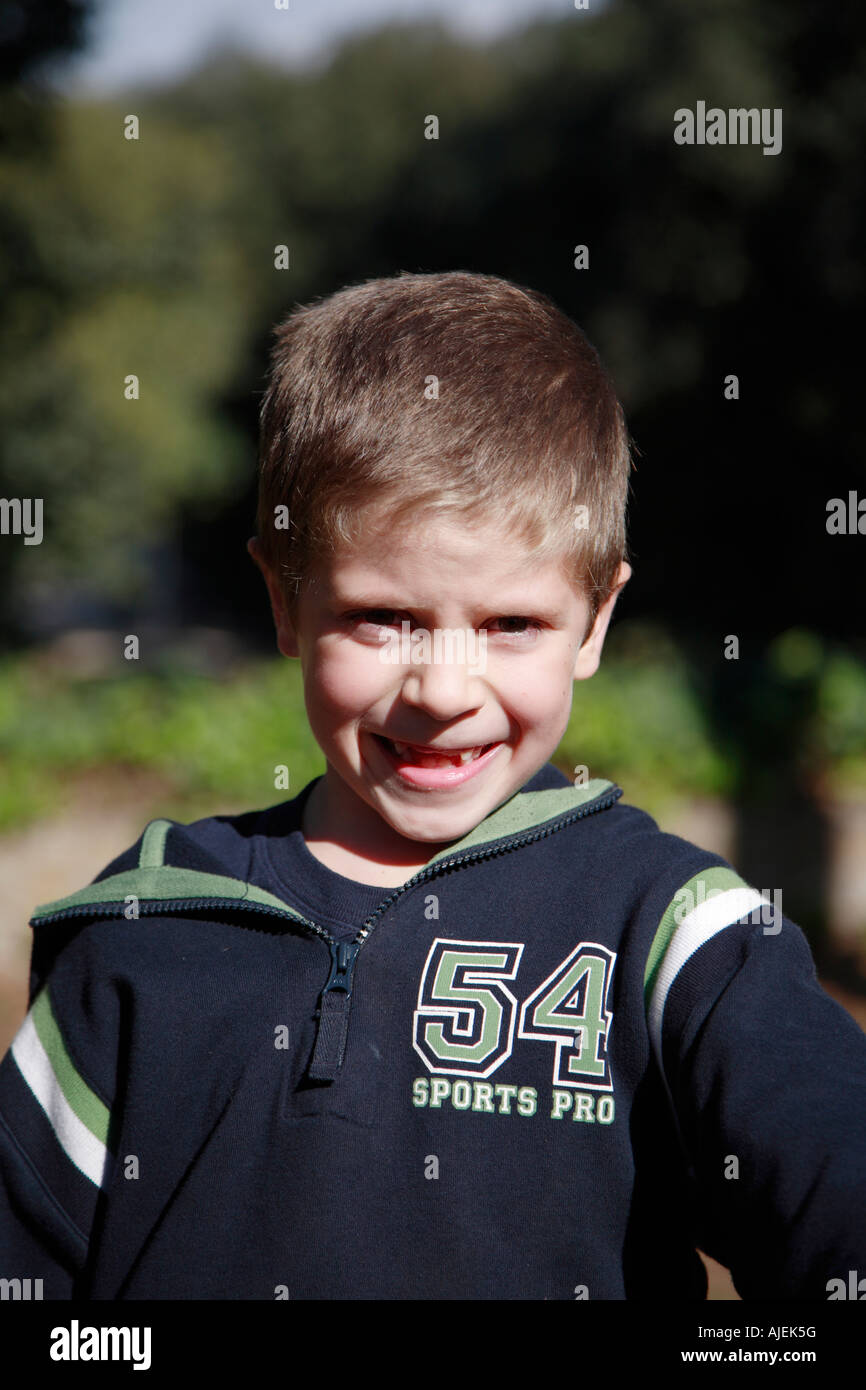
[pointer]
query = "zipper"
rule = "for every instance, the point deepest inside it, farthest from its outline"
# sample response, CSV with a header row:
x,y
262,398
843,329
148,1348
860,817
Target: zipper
x,y
332,1029
332,1025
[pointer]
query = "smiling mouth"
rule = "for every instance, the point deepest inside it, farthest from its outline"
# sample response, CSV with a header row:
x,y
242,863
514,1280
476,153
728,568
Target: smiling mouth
x,y
422,755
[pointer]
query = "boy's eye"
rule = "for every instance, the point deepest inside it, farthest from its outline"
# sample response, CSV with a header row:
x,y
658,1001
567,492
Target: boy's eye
x,y
527,623
379,617
514,625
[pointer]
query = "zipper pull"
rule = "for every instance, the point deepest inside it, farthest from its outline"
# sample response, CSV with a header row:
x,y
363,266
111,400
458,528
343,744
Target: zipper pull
x,y
333,1025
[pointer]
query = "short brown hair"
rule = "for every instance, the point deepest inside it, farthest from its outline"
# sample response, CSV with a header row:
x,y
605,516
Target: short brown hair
x,y
454,392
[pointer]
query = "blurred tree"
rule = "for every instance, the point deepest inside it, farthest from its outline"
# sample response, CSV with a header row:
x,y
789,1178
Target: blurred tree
x,y
33,34
32,37
158,256
134,275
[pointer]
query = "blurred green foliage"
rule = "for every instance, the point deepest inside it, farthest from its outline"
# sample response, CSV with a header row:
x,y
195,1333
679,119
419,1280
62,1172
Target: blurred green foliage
x,y
839,731
640,721
214,741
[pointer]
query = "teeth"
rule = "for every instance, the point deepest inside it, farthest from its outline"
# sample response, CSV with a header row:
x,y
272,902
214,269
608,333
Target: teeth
x,y
464,755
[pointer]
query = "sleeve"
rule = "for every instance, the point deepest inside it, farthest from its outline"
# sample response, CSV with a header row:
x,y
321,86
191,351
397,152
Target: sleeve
x,y
767,1079
56,1089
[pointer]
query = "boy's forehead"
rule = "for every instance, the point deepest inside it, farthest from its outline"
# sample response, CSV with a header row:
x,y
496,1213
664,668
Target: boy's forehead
x,y
399,547
410,574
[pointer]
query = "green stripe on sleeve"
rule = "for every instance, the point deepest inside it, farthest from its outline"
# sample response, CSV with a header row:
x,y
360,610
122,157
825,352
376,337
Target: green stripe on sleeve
x,y
86,1103
708,882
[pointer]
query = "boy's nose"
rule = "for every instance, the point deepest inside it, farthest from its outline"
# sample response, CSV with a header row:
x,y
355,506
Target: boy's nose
x,y
443,689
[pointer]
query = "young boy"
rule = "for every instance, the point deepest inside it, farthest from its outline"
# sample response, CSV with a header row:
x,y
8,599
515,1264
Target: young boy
x,y
443,1026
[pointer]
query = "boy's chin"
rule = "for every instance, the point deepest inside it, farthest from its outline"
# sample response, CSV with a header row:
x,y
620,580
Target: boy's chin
x,y
424,830
431,818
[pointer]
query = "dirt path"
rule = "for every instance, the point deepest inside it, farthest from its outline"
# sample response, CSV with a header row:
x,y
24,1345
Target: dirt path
x,y
95,820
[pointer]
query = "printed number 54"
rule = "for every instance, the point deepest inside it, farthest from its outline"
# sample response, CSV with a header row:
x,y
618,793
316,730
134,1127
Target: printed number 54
x,y
465,1020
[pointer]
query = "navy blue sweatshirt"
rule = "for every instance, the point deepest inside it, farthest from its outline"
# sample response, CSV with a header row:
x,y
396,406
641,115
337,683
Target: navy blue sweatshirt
x,y
547,1066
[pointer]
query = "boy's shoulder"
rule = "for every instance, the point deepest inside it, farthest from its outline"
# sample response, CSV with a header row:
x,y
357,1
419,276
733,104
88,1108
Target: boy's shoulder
x,y
169,874
217,844
600,828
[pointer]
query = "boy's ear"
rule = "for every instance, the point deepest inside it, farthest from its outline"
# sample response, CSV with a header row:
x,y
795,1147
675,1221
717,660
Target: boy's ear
x,y
286,637
589,655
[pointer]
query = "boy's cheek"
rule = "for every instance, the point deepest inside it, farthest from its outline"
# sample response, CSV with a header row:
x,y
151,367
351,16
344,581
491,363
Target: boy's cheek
x,y
333,665
344,687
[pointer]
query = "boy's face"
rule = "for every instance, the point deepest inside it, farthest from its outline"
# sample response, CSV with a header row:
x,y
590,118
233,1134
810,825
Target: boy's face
x,y
515,703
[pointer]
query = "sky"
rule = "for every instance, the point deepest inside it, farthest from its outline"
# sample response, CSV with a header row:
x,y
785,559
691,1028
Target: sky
x,y
138,42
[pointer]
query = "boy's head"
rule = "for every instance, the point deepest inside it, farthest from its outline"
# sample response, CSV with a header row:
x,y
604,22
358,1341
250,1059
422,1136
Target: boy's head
x,y
438,445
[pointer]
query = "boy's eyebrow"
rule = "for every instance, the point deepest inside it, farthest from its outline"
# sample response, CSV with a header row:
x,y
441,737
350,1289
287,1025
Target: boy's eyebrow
x,y
353,600
521,605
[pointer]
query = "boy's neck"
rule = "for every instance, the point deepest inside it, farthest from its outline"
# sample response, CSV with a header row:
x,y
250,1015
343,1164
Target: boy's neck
x,y
366,859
